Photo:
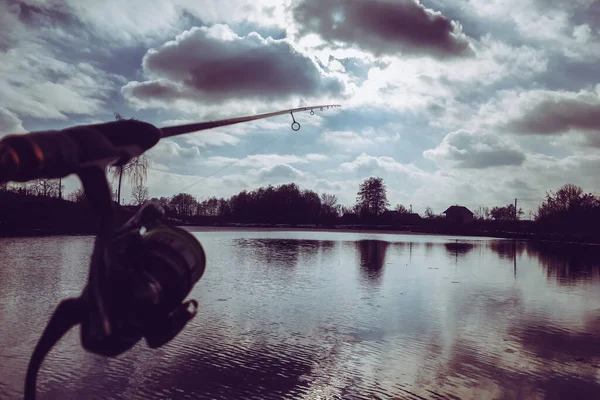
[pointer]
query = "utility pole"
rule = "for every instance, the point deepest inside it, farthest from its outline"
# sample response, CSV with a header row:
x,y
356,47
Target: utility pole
x,y
60,188
516,209
411,208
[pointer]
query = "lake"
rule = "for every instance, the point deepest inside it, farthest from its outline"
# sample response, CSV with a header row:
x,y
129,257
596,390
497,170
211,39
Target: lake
x,y
328,315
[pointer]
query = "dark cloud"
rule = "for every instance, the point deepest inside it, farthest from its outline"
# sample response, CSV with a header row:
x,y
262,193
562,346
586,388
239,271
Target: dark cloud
x,y
20,19
382,27
465,149
214,64
555,113
559,114
35,13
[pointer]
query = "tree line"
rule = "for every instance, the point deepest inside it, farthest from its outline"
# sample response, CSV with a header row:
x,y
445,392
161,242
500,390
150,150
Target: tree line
x,y
288,203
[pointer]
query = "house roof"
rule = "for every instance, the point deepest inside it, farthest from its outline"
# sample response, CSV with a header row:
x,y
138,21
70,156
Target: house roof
x,y
458,209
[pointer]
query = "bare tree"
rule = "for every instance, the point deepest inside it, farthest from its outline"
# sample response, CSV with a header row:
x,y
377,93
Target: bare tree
x,y
44,187
329,203
139,193
508,213
183,205
429,212
401,209
77,196
482,213
329,200
135,170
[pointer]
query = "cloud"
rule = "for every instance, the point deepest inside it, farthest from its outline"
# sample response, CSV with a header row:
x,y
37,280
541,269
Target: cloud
x,y
211,138
9,122
23,21
466,149
116,23
382,27
353,140
168,150
213,65
257,160
316,157
572,116
546,112
559,24
365,164
324,185
280,172
34,82
445,91
345,139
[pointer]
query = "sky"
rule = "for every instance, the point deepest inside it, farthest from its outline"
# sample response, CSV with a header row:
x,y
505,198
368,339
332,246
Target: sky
x,y
471,102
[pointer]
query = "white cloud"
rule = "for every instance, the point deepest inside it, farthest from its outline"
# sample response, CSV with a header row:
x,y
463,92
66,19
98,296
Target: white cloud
x,y
280,173
415,85
345,139
167,184
316,157
351,140
10,122
466,149
550,22
582,33
259,160
168,149
34,82
211,138
325,185
134,21
365,165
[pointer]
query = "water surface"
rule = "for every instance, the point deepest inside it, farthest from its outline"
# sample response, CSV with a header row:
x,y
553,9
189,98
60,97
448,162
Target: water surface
x,y
329,315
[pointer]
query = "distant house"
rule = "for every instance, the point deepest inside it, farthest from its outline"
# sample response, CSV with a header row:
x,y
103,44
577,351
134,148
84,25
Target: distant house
x,y
459,214
395,217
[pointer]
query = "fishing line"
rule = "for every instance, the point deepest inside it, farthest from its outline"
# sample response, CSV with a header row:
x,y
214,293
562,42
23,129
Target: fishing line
x,y
260,147
167,132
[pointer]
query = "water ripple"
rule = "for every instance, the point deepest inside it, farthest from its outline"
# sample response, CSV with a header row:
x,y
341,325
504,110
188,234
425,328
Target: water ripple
x,y
301,315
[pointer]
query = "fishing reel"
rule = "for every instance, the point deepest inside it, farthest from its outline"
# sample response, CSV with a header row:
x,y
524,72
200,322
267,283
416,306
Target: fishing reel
x,y
149,270
140,272
140,275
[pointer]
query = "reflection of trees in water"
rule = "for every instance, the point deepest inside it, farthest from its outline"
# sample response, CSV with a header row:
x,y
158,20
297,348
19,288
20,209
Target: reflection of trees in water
x,y
481,358
470,361
429,247
283,252
372,258
456,249
327,247
567,262
507,249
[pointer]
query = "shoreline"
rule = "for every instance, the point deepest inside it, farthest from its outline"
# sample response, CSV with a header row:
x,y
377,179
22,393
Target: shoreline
x,y
374,229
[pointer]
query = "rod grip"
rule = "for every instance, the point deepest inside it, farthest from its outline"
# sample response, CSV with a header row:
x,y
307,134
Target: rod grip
x,y
58,153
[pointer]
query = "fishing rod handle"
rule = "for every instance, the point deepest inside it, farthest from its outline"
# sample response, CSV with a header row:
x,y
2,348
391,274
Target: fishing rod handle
x,y
58,153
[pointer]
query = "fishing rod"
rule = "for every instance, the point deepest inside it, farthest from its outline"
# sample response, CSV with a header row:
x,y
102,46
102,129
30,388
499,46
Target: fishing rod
x,y
140,272
56,154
